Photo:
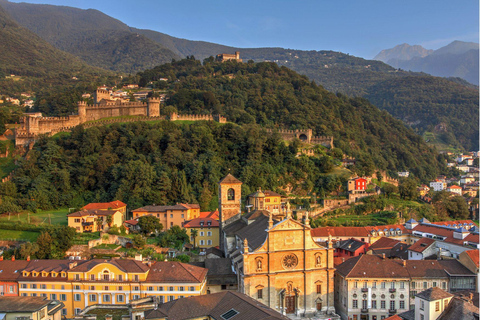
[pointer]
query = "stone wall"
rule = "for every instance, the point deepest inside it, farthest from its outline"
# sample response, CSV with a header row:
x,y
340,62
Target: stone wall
x,y
305,136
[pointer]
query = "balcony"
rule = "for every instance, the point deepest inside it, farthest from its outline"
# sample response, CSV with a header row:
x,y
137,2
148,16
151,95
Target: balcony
x,y
392,311
392,290
364,289
87,223
364,311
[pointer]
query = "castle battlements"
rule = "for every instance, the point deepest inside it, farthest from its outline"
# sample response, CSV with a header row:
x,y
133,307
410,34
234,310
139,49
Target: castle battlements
x,y
305,135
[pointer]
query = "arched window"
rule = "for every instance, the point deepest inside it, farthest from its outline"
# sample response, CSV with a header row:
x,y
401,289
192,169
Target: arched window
x,y
231,194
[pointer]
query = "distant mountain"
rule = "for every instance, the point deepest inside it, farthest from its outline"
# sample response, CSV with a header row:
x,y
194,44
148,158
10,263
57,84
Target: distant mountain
x,y
402,52
91,35
94,36
458,59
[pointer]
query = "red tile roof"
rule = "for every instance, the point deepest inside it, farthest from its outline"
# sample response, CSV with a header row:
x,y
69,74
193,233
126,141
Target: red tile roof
x,y
384,243
173,271
11,270
340,232
105,205
448,233
197,223
209,214
474,255
84,213
421,245
229,179
132,222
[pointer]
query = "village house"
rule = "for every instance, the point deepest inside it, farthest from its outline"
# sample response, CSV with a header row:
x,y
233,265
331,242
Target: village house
x,y
455,189
438,185
9,273
265,200
422,249
206,227
94,220
350,248
470,259
114,205
169,216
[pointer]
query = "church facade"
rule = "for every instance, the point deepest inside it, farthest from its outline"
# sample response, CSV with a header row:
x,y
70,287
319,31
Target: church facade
x,y
275,258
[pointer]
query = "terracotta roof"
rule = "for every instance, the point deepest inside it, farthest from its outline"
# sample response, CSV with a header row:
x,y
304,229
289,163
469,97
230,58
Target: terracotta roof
x,y
433,294
474,255
214,306
394,317
457,222
125,265
11,270
229,179
269,193
132,222
421,245
384,243
209,214
388,227
47,266
191,205
105,205
98,212
372,266
339,260
173,271
162,208
22,304
448,233
201,222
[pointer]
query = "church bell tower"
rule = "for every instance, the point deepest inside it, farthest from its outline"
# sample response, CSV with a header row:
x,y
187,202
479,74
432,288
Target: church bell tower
x,y
229,203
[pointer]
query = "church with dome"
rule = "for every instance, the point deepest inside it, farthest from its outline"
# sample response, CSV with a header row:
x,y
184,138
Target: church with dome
x,y
274,255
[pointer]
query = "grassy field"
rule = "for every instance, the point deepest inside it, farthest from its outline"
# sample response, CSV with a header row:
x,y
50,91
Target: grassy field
x,y
106,246
18,235
361,220
433,140
58,217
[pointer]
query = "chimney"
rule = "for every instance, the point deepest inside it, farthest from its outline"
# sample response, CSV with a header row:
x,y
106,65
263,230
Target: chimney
x,y
13,258
1,258
28,258
404,263
383,256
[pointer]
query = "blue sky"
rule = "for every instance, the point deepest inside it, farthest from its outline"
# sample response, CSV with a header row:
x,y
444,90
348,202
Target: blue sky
x,y
360,28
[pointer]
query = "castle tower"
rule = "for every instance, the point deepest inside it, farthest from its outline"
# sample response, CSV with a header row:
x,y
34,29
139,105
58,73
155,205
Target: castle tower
x,y
153,107
229,203
82,111
101,94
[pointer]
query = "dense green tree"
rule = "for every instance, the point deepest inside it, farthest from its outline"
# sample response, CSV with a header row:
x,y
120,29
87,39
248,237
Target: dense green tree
x,y
149,224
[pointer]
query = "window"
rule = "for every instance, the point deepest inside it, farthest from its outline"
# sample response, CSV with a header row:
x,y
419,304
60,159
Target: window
x,y
120,288
319,288
171,215
209,233
192,288
374,285
92,287
77,277
77,220
392,285
24,286
77,310
365,284
43,295
383,285
150,288
64,311
105,288
135,277
202,233
374,304
120,298
53,296
34,294
33,286
209,242
77,287
136,288
422,317
63,297
425,285
106,277
402,285
136,296
260,294
422,305
106,298
224,287
160,288
355,304
364,304
230,194
11,289
43,286
392,304
437,306
120,277
171,289
202,242
76,297
382,304
92,277
444,285
434,283
93,298
171,298
413,285
402,304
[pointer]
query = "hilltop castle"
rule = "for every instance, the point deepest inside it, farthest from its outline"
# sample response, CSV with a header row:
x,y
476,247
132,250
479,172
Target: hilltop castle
x,y
222,57
34,124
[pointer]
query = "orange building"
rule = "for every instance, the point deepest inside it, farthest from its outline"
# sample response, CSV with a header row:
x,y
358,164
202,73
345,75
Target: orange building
x,y
169,215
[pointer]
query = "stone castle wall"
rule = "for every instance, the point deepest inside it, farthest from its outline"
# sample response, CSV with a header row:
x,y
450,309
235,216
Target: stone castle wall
x,y
305,136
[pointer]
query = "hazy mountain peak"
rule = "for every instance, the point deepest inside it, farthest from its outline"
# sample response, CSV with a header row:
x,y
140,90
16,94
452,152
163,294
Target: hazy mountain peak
x,y
402,52
456,47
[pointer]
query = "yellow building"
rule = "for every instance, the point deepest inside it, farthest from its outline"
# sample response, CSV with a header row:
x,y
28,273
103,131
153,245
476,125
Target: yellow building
x,y
169,216
206,227
265,200
95,220
114,205
79,284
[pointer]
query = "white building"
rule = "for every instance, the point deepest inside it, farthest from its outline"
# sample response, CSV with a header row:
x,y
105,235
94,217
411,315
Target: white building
x,y
438,185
